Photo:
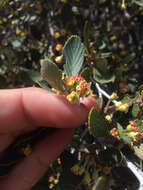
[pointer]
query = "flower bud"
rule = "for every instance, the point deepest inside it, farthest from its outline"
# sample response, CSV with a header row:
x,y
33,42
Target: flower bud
x,y
108,118
74,98
59,47
136,136
129,128
114,133
113,96
63,32
59,59
122,107
56,35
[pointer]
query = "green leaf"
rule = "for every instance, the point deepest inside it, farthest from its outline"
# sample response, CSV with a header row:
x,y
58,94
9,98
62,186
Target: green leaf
x,y
100,101
110,157
139,2
97,125
101,72
33,75
135,110
105,55
126,100
43,84
100,45
139,151
52,74
103,78
129,58
74,52
119,126
86,73
103,45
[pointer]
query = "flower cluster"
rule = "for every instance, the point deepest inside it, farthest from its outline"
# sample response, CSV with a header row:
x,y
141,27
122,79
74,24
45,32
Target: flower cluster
x,y
77,88
134,132
136,136
133,127
114,133
122,107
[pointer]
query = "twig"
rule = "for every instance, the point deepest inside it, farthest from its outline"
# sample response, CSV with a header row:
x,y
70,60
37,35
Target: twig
x,y
104,93
136,171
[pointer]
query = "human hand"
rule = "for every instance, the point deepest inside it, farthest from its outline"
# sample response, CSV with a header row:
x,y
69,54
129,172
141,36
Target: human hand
x,y
24,110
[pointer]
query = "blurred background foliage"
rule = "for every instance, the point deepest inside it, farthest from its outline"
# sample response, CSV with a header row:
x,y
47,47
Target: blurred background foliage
x,y
32,30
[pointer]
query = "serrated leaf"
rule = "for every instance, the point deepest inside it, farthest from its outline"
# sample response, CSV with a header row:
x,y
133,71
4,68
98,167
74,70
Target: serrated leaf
x,y
52,74
135,110
139,151
74,53
103,77
97,125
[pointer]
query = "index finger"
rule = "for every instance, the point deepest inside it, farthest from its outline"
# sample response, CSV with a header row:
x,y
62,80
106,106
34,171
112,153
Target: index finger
x,y
23,109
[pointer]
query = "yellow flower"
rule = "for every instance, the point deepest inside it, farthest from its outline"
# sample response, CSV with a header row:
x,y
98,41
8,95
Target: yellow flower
x,y
113,96
122,107
74,98
56,35
59,59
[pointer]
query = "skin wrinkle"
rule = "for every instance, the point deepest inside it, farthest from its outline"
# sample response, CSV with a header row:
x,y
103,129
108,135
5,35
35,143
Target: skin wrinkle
x,y
7,114
30,121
